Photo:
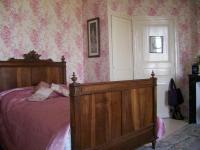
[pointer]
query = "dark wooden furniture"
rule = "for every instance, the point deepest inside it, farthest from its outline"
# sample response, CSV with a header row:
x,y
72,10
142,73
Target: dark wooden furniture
x,y
104,116
30,71
193,79
113,115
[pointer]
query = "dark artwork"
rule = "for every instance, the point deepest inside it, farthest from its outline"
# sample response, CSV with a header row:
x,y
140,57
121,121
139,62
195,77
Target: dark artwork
x,y
93,37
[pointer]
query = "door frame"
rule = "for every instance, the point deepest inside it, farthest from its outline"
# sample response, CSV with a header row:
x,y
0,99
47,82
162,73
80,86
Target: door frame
x,y
176,43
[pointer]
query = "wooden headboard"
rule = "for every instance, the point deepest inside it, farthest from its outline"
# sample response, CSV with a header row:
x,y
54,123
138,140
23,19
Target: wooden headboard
x,y
30,71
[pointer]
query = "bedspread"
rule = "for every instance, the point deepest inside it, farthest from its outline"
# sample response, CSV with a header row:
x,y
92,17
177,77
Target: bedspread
x,y
26,125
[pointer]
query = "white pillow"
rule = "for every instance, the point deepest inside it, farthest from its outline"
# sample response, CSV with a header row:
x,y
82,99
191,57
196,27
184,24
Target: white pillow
x,y
60,89
42,84
41,94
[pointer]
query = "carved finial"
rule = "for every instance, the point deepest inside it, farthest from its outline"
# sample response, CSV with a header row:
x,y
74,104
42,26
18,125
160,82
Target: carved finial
x,y
63,58
152,74
32,56
74,78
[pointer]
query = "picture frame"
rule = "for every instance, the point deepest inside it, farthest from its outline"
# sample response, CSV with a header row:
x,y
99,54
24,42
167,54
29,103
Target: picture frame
x,y
156,44
93,30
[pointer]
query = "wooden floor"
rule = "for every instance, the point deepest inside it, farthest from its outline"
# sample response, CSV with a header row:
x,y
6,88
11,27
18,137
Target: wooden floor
x,y
171,125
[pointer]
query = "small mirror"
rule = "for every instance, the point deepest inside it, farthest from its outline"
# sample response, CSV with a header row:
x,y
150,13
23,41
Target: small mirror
x,y
156,44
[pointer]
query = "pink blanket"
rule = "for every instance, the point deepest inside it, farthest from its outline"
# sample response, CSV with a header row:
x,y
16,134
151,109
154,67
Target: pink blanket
x,y
26,125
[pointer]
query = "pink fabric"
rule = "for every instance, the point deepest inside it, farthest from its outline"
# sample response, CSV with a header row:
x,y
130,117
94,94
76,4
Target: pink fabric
x,y
26,125
160,128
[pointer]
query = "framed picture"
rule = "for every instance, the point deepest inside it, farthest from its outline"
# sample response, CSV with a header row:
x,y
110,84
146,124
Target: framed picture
x,y
156,44
93,37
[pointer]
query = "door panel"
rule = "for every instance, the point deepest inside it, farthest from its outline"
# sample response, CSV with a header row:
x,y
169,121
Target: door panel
x,y
154,49
122,57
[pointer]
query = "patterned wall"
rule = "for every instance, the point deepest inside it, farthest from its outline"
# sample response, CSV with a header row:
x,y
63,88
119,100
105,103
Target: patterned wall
x,y
96,69
56,28
53,28
198,26
185,11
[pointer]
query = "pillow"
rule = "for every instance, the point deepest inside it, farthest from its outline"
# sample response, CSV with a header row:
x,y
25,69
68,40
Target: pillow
x,y
42,84
60,89
41,94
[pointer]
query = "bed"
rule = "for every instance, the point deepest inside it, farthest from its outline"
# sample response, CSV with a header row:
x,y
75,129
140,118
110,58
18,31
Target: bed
x,y
118,115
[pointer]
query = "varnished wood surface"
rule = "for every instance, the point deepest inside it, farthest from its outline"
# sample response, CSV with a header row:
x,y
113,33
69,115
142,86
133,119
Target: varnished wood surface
x,y
113,115
21,73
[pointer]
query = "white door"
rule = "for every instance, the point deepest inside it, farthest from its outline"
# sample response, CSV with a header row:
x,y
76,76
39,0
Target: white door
x,y
121,54
154,49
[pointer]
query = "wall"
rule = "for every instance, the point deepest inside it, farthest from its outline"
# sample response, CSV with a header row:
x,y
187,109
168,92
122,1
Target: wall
x,y
96,69
198,27
53,28
185,12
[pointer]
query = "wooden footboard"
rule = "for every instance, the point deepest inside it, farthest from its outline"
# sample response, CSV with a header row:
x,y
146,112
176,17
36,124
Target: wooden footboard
x,y
117,115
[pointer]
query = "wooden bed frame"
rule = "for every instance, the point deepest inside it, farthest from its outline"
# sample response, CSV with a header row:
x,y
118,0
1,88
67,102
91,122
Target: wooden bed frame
x,y
117,115
30,71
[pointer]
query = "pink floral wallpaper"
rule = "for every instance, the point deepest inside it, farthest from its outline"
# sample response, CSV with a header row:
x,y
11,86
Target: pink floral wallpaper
x,y
198,27
53,28
96,69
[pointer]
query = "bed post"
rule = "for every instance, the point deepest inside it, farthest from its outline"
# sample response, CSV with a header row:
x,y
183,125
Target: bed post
x,y
74,118
64,68
154,80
